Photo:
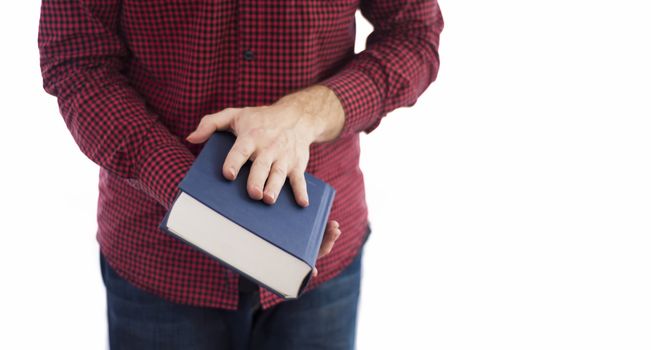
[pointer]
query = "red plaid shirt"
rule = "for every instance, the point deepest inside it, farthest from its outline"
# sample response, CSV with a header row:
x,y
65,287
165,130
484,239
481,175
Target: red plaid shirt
x,y
134,77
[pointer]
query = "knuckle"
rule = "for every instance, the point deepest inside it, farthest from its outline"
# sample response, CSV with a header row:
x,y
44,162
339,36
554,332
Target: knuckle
x,y
241,151
278,171
204,120
243,148
263,162
268,150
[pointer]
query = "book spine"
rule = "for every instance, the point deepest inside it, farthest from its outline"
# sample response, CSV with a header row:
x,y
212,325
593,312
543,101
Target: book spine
x,y
320,224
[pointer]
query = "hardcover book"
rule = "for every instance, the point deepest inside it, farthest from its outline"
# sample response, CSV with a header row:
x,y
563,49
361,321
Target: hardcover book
x,y
274,245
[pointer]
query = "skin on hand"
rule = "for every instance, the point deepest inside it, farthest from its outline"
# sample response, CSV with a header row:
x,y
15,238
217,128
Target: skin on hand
x,y
329,237
277,139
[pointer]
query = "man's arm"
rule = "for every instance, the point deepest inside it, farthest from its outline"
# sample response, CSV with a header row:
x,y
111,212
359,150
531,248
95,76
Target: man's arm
x,y
400,61
81,59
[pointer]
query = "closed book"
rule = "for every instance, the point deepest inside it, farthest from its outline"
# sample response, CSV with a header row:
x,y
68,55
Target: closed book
x,y
275,245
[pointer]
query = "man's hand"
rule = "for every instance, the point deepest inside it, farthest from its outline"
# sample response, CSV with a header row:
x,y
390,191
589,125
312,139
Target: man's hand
x,y
277,138
329,237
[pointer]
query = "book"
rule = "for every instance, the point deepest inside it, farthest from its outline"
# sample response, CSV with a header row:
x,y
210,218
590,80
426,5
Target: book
x,y
275,245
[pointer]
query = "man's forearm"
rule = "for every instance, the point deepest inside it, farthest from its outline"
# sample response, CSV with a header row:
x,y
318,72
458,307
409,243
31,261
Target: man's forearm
x,y
81,60
319,103
399,62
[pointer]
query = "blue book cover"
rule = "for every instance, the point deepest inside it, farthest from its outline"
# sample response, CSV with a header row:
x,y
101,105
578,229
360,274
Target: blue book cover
x,y
284,226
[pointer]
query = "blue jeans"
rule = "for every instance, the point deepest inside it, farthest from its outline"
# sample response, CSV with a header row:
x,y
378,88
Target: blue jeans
x,y
323,318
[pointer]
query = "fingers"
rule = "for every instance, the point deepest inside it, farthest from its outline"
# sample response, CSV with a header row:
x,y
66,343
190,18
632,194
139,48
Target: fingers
x,y
275,182
258,175
299,187
330,236
241,151
211,123
277,152
268,171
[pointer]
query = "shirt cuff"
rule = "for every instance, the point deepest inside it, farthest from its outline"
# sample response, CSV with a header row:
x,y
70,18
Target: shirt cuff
x,y
166,163
360,98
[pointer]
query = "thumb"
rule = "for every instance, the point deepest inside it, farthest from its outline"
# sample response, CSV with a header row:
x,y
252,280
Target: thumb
x,y
211,123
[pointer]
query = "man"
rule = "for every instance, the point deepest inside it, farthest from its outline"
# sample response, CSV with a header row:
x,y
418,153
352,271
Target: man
x,y
142,84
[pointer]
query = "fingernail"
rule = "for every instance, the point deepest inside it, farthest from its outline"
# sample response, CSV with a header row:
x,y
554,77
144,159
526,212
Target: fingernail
x,y
232,172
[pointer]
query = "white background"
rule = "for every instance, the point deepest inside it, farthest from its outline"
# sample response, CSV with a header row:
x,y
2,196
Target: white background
x,y
510,206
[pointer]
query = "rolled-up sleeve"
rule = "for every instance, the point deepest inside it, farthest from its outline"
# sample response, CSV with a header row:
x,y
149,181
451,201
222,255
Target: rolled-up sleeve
x,y
399,62
81,58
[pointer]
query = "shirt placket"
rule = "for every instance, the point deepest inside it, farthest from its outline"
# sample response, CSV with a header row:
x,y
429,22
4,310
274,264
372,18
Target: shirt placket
x,y
247,51
244,57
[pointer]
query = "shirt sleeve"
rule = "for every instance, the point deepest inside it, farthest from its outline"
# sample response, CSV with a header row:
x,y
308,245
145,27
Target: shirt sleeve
x,y
399,62
81,59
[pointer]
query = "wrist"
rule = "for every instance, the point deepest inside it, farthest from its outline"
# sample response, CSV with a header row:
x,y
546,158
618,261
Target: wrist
x,y
321,110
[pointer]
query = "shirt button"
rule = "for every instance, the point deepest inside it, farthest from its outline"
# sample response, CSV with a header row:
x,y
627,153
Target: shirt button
x,y
248,55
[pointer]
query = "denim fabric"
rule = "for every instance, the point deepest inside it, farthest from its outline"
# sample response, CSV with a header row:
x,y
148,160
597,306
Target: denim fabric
x,y
323,318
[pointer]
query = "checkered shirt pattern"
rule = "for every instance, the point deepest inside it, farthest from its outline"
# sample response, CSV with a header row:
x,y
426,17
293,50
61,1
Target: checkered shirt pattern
x,y
133,77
